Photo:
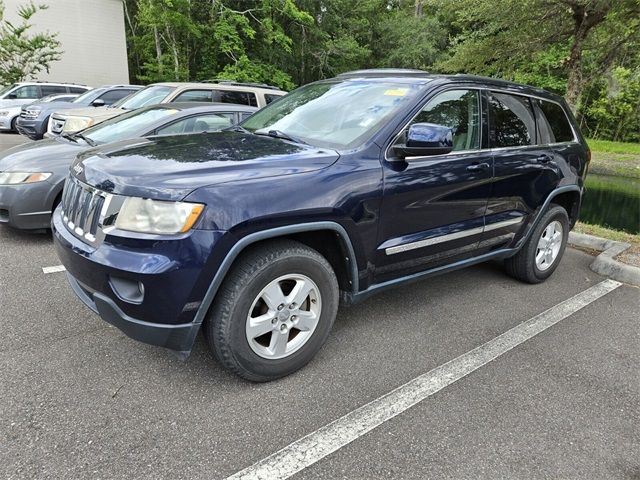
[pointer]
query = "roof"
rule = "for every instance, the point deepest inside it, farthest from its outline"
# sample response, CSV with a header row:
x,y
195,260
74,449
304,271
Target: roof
x,y
409,74
218,84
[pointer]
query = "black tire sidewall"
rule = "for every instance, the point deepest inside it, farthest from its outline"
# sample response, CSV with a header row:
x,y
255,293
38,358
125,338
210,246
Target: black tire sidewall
x,y
556,213
236,336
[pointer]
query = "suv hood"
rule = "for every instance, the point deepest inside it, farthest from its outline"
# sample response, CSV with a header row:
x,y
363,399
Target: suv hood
x,y
170,167
97,113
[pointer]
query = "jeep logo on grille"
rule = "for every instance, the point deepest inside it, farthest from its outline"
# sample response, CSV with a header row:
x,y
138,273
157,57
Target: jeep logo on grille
x,y
78,169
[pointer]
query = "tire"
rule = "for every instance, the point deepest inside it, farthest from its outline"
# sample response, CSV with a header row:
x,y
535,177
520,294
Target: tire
x,y
284,348
524,266
13,124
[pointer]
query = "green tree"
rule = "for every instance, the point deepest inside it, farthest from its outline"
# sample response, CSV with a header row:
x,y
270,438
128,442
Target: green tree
x,y
24,55
510,37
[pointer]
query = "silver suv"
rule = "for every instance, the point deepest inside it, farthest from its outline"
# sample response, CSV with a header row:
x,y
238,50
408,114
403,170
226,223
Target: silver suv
x,y
219,91
21,93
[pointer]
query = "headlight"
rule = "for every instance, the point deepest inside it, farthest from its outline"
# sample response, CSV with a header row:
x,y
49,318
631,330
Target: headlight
x,y
153,216
14,178
74,124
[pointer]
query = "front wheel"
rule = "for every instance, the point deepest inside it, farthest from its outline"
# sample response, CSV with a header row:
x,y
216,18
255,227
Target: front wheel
x,y
540,255
274,311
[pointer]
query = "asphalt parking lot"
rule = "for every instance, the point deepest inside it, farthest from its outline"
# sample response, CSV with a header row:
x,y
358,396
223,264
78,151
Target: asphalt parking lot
x,y
81,400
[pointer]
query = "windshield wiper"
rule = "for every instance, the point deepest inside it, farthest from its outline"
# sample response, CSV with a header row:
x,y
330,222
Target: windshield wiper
x,y
69,136
86,139
279,134
236,128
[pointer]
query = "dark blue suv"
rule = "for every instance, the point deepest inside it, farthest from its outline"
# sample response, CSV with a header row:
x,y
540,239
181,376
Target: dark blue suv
x,y
336,191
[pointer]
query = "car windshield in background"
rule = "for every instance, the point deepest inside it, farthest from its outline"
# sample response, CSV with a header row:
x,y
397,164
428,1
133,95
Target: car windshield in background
x,y
127,124
146,96
7,88
334,114
86,95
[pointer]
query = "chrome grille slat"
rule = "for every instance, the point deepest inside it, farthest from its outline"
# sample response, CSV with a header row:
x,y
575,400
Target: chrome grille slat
x,y
82,209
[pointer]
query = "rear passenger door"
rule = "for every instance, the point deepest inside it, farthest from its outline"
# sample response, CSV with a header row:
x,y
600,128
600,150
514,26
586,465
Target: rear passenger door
x,y
524,171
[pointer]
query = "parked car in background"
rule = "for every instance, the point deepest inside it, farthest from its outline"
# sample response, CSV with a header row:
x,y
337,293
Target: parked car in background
x,y
34,117
10,115
341,189
32,175
250,94
26,92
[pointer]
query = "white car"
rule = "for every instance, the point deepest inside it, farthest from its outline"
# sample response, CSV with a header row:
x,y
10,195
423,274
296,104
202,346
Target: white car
x,y
18,94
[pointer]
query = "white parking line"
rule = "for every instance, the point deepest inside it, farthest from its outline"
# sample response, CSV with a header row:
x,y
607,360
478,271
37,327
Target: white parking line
x,y
54,269
326,440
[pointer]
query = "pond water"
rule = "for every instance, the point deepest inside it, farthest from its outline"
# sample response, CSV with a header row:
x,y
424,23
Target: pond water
x,y
612,202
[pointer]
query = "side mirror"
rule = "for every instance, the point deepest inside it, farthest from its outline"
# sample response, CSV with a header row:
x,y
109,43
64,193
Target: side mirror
x,y
98,102
424,139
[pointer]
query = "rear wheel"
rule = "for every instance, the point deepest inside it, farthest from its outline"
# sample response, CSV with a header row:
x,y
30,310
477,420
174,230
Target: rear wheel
x,y
273,312
540,255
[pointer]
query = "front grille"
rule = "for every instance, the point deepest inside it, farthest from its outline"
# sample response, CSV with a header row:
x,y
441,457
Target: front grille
x,y
29,114
83,208
57,124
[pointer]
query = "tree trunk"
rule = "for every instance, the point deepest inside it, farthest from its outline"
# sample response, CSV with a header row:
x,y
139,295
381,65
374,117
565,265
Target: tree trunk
x,y
156,35
419,8
584,20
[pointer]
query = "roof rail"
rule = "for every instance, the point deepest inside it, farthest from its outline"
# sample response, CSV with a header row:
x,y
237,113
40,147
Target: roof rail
x,y
225,81
384,72
57,83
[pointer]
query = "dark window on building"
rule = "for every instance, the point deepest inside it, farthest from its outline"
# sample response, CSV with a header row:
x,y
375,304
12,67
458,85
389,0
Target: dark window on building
x,y
511,119
52,89
112,96
553,123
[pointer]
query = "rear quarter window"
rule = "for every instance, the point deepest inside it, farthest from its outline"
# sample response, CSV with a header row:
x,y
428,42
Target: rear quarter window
x,y
268,98
553,123
234,96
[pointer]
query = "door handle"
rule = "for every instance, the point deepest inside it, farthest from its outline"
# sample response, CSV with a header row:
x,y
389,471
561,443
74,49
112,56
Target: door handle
x,y
544,158
476,167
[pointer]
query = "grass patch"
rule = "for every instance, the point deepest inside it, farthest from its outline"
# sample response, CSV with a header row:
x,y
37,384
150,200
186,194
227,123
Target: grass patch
x,y
608,233
615,158
606,146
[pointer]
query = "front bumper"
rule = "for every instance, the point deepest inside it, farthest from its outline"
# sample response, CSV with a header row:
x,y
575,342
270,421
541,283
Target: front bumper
x,y
28,206
34,129
174,274
174,337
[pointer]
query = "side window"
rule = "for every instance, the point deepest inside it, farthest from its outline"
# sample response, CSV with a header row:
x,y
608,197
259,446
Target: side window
x,y
553,123
28,91
52,89
197,124
458,110
245,115
193,96
268,97
77,89
511,119
112,96
232,96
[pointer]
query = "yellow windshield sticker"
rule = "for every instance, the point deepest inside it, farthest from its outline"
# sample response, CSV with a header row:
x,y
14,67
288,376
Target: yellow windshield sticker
x,y
396,92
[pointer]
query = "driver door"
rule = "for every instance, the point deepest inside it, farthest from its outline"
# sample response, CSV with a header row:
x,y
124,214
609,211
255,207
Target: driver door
x,y
433,207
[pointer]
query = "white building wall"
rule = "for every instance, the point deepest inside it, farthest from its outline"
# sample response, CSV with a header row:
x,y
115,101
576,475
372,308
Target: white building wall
x,y
92,35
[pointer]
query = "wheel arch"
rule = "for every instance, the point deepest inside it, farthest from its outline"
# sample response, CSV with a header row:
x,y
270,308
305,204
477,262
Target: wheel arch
x,y
569,195
321,236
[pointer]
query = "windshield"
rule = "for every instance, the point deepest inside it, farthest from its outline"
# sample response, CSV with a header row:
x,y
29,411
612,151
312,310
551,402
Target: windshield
x,y
7,88
146,96
87,96
334,114
127,125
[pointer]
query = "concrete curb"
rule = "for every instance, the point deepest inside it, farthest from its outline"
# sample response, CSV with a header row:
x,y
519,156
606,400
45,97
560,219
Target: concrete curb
x,y
605,263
